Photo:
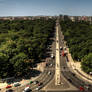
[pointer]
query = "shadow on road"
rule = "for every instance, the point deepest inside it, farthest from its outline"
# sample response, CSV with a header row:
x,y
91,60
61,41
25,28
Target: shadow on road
x,y
29,75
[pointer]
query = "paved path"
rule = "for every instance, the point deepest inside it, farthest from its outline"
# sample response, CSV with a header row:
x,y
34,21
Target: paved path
x,y
57,67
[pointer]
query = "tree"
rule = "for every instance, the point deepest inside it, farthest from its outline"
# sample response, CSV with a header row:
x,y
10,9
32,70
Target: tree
x,y
19,63
87,63
3,64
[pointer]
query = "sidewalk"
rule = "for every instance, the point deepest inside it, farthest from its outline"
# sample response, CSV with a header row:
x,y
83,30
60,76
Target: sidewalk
x,y
76,67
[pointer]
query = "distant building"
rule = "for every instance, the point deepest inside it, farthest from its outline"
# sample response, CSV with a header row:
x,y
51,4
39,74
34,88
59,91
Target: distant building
x,y
72,18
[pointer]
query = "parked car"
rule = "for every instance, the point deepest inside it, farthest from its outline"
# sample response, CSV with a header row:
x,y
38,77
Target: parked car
x,y
16,84
8,86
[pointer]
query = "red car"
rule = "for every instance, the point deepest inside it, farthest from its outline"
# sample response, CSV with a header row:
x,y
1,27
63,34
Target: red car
x,y
8,86
81,88
63,54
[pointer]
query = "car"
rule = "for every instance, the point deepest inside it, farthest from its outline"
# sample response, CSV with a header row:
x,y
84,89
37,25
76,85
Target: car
x,y
56,49
64,48
63,54
50,65
90,73
81,88
49,73
16,84
38,88
8,86
61,48
87,86
27,89
39,84
35,82
52,55
31,82
69,80
73,74
10,90
57,40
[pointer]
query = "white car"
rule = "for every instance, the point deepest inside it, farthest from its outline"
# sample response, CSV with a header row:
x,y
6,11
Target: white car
x,y
61,48
52,55
16,84
49,73
38,88
90,73
27,89
50,65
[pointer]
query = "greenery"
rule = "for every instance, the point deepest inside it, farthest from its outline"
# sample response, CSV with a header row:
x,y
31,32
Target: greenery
x,y
22,44
79,39
87,63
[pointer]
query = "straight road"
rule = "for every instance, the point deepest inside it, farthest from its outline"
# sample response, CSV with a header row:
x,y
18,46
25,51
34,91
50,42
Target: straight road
x,y
57,66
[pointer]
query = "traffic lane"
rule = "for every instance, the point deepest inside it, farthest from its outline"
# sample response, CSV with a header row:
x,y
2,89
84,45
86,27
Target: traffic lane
x,y
21,88
68,74
47,77
74,81
72,78
44,81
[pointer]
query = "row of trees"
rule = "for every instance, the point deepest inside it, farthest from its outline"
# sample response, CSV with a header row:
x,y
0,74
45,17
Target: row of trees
x,y
22,44
79,39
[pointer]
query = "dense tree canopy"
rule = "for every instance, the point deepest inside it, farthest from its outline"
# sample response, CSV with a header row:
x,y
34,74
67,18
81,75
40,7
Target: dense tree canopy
x,y
23,43
87,63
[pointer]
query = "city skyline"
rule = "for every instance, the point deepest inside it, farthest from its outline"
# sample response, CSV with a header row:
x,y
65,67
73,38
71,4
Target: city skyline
x,y
45,7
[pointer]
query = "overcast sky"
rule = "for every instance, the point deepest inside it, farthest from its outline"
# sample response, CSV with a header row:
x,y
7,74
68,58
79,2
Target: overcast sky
x,y
45,7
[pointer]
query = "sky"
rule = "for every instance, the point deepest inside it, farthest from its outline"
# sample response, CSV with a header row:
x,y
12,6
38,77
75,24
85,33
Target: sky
x,y
45,7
